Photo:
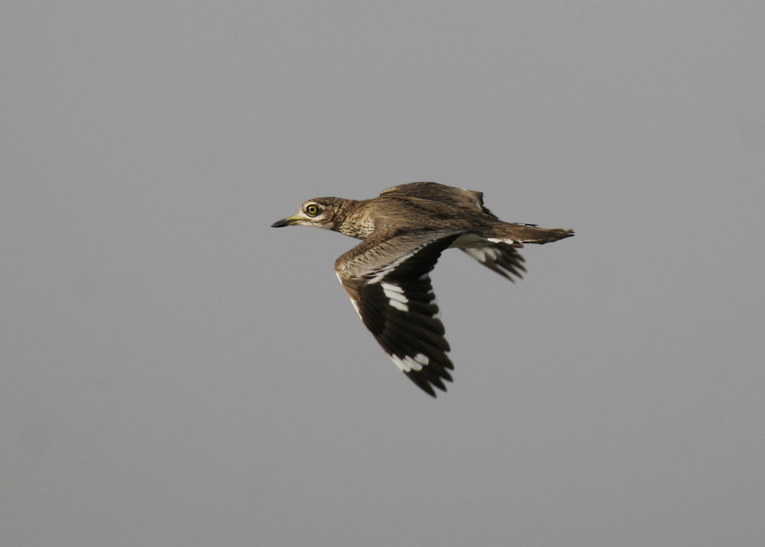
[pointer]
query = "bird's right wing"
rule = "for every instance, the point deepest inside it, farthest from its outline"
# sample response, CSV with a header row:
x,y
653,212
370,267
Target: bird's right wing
x,y
503,258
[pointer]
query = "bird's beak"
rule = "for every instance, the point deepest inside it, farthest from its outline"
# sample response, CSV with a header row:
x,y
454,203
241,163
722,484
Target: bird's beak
x,y
289,221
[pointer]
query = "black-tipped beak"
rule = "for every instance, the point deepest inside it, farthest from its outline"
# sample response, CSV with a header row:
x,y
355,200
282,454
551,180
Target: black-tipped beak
x,y
283,222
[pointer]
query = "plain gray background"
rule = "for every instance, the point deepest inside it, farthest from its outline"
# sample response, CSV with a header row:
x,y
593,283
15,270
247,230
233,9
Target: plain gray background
x,y
175,372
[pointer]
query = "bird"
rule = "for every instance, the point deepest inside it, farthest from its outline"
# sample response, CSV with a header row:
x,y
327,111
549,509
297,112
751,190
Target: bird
x,y
404,230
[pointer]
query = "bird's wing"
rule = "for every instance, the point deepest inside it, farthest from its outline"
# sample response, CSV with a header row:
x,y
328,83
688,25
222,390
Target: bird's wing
x,y
503,258
387,278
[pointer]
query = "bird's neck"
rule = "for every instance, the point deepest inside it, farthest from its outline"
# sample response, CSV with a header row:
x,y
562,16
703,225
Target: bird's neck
x,y
357,222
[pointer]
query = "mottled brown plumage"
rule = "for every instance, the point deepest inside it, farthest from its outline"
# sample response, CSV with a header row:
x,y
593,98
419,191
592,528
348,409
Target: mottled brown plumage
x,y
405,229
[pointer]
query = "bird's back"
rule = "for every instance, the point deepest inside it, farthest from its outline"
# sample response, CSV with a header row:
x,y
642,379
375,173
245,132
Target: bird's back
x,y
433,191
431,205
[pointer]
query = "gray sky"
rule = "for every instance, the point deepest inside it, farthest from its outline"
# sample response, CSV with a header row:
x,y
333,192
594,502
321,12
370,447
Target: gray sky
x,y
175,372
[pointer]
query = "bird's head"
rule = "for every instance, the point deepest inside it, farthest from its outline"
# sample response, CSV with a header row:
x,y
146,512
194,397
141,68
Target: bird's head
x,y
318,212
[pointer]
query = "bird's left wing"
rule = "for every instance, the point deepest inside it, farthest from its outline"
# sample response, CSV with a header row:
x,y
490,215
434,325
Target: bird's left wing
x,y
388,282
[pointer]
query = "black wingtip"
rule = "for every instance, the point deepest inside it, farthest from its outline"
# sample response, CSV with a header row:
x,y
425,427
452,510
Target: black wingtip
x,y
426,379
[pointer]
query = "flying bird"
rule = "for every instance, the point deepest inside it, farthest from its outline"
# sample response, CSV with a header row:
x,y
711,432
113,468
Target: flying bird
x,y
404,230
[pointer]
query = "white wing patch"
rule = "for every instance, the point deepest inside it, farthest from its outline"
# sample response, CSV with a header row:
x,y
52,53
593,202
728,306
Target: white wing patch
x,y
422,359
409,364
396,296
497,240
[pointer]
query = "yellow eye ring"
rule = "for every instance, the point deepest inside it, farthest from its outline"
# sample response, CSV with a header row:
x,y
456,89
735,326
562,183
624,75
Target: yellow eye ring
x,y
312,210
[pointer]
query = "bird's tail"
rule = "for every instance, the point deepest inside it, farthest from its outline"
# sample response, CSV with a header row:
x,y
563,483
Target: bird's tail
x,y
525,233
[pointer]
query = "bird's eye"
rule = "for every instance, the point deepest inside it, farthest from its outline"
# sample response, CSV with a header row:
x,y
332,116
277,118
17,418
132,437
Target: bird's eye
x,y
312,210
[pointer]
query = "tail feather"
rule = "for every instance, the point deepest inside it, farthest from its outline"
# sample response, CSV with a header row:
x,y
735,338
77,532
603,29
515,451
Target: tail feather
x,y
525,233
